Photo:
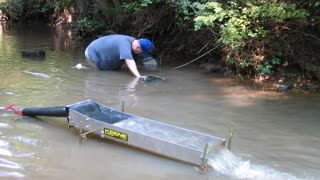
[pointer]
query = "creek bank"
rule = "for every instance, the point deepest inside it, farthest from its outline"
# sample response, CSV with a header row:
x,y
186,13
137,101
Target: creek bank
x,y
282,85
276,83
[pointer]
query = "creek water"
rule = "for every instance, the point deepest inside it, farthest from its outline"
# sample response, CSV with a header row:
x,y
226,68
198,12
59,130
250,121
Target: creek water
x,y
276,135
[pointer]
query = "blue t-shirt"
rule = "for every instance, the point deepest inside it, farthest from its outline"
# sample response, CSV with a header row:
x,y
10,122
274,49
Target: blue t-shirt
x,y
108,52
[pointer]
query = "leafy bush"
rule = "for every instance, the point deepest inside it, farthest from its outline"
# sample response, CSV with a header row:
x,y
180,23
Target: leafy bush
x,y
90,27
246,29
248,26
242,20
266,66
13,9
32,10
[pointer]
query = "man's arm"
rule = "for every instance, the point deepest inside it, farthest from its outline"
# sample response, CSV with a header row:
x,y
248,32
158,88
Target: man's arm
x,y
132,67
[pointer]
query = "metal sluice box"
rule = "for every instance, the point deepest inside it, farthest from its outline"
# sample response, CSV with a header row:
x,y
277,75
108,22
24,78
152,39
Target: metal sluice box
x,y
142,133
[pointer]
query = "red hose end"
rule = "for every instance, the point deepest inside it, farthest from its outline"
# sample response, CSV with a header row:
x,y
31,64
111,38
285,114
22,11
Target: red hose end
x,y
13,109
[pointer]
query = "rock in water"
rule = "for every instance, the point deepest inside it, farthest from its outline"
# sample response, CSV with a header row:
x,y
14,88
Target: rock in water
x,y
34,54
149,62
153,79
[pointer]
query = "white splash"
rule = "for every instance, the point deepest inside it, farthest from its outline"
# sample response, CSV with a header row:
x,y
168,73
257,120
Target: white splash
x,y
5,152
4,143
8,93
9,164
11,174
225,163
80,66
4,125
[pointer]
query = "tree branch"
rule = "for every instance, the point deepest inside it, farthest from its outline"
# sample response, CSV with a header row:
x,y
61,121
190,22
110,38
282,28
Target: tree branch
x,y
196,58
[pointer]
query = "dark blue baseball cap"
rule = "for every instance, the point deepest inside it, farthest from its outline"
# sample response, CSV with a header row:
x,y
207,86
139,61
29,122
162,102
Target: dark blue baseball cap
x,y
146,46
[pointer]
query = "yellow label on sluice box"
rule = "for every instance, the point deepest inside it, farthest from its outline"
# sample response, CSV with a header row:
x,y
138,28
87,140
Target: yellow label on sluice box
x,y
116,134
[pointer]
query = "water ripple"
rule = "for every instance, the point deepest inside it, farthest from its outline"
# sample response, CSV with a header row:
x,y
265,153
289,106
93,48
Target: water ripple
x,y
4,163
11,174
26,140
14,153
22,155
6,114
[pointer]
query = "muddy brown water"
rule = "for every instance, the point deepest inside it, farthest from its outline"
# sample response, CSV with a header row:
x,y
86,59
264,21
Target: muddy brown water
x,y
276,136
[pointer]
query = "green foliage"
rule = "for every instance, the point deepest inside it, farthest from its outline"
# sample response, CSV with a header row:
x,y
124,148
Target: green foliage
x,y
267,66
231,61
13,9
245,28
291,75
32,10
314,9
186,11
242,20
244,64
89,27
275,61
140,4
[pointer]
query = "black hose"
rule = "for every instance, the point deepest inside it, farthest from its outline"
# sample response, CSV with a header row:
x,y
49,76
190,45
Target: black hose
x,y
60,111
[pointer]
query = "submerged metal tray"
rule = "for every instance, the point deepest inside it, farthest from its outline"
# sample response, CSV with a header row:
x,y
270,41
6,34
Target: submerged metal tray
x,y
150,135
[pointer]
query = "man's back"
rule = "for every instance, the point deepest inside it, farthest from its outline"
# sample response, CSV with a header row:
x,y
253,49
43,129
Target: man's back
x,y
109,51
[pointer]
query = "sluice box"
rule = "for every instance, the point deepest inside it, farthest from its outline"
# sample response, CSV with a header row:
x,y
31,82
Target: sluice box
x,y
146,134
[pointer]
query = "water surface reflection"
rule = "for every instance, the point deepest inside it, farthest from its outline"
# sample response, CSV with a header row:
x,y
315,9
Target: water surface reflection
x,y
278,132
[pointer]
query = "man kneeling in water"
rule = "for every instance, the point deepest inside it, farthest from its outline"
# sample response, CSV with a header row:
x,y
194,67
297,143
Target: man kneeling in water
x,y
112,51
